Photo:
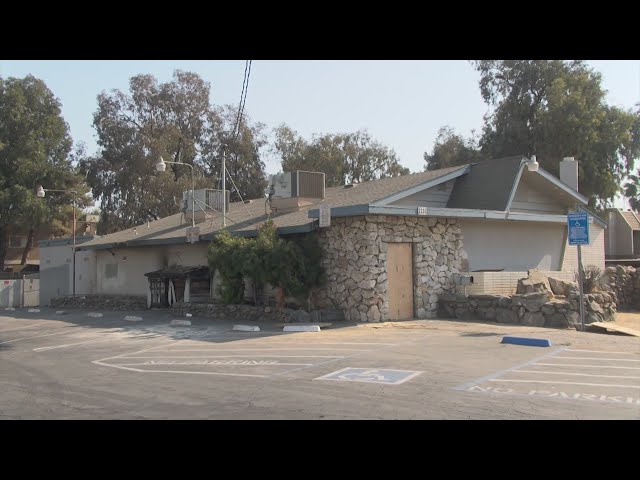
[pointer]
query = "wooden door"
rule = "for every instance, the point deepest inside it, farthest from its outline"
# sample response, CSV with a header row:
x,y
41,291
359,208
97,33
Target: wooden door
x,y
400,281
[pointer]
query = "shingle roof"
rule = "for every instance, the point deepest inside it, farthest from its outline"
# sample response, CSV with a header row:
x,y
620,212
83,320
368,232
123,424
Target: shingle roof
x,y
487,186
171,229
631,219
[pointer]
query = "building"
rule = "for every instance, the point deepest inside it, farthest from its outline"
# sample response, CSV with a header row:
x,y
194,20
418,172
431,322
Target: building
x,y
393,245
622,241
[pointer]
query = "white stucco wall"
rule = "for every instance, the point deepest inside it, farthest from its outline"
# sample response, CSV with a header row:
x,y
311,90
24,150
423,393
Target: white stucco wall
x,y
132,264
56,272
188,255
512,245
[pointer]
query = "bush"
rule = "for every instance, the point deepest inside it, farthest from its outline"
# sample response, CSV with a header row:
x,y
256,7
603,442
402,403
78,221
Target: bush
x,y
294,266
592,274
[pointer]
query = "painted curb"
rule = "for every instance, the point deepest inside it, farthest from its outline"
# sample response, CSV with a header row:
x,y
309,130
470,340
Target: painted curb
x,y
34,310
301,328
188,315
180,323
9,309
246,328
529,342
132,318
95,315
59,312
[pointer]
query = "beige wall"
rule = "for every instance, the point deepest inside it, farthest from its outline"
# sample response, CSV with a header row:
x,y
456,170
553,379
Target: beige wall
x,y
592,254
531,200
619,235
513,246
55,272
133,263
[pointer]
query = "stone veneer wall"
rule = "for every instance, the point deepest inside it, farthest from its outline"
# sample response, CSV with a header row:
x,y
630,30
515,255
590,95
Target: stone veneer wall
x,y
624,281
107,302
355,261
535,309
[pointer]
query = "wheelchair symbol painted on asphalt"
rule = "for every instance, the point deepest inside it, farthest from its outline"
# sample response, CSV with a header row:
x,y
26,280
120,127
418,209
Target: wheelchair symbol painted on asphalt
x,y
371,375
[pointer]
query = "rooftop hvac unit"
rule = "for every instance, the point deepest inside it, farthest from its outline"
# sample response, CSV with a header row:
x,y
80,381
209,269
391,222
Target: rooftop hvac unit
x,y
298,184
207,199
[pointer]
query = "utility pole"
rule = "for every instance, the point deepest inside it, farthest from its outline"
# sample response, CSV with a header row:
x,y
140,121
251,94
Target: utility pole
x,y
224,189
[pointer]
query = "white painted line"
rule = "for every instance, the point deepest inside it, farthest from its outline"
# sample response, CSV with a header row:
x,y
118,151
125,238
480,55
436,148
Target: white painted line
x,y
94,314
9,309
227,365
583,366
180,323
188,343
574,374
55,347
235,356
59,312
34,310
36,336
246,328
592,358
565,383
22,328
97,362
301,328
188,315
133,318
596,351
276,349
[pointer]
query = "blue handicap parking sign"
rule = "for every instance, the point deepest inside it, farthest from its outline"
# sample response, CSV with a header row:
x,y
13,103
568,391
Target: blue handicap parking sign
x,y
578,225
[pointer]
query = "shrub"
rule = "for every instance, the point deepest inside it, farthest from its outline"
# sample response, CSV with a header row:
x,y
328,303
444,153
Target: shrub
x,y
592,274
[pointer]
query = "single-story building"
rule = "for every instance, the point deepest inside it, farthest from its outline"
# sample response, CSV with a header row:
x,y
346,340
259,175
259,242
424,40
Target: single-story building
x,y
622,242
393,245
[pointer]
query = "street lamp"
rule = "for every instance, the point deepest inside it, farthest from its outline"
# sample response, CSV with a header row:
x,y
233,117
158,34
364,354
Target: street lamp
x,y
40,193
161,166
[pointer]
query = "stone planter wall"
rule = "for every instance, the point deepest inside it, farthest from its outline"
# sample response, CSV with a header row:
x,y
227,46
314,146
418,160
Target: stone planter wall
x,y
104,302
624,282
533,309
355,261
220,311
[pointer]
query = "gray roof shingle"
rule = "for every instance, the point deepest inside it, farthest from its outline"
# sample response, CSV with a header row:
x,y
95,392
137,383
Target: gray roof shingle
x,y
172,229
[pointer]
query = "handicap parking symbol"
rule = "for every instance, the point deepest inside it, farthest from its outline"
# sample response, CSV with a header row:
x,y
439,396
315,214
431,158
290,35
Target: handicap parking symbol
x,y
371,375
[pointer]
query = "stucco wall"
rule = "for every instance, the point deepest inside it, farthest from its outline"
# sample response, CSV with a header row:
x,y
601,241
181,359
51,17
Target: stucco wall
x,y
513,246
355,260
129,266
55,272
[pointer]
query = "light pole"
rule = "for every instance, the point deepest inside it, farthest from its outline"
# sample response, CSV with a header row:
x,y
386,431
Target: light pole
x,y
40,193
161,166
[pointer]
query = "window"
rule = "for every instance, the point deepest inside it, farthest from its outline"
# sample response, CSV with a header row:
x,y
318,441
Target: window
x,y
111,270
17,242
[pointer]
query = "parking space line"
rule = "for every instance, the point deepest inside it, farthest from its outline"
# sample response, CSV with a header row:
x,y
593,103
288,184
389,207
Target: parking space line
x,y
97,362
23,327
585,366
229,365
38,336
240,356
597,351
276,349
574,374
55,347
563,383
605,359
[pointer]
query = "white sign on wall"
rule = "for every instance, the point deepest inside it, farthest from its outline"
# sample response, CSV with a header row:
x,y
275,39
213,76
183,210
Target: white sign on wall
x,y
325,215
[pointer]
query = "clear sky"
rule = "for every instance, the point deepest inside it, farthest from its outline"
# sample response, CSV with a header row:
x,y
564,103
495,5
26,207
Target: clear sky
x,y
401,103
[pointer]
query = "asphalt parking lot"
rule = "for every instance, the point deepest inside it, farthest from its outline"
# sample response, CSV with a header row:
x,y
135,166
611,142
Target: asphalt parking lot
x,y
77,366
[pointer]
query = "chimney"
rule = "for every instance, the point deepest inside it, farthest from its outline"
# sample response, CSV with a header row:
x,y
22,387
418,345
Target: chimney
x,y
569,172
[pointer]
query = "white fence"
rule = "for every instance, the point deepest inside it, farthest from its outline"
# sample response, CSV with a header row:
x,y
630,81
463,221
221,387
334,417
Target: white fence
x,y
24,292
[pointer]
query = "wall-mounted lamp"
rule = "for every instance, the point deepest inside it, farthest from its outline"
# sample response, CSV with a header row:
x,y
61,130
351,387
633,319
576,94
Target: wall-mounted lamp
x,y
532,164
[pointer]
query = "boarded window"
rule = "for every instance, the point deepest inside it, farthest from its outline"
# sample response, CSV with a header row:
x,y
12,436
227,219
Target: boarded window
x,y
111,270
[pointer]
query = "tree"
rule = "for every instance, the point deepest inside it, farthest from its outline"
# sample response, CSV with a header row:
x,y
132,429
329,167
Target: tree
x,y
553,109
35,150
243,159
351,157
450,150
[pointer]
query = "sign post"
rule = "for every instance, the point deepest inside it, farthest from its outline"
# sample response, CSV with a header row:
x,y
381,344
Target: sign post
x,y
578,225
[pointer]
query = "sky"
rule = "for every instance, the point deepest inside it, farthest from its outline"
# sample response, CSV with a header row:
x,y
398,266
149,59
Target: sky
x,y
401,103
